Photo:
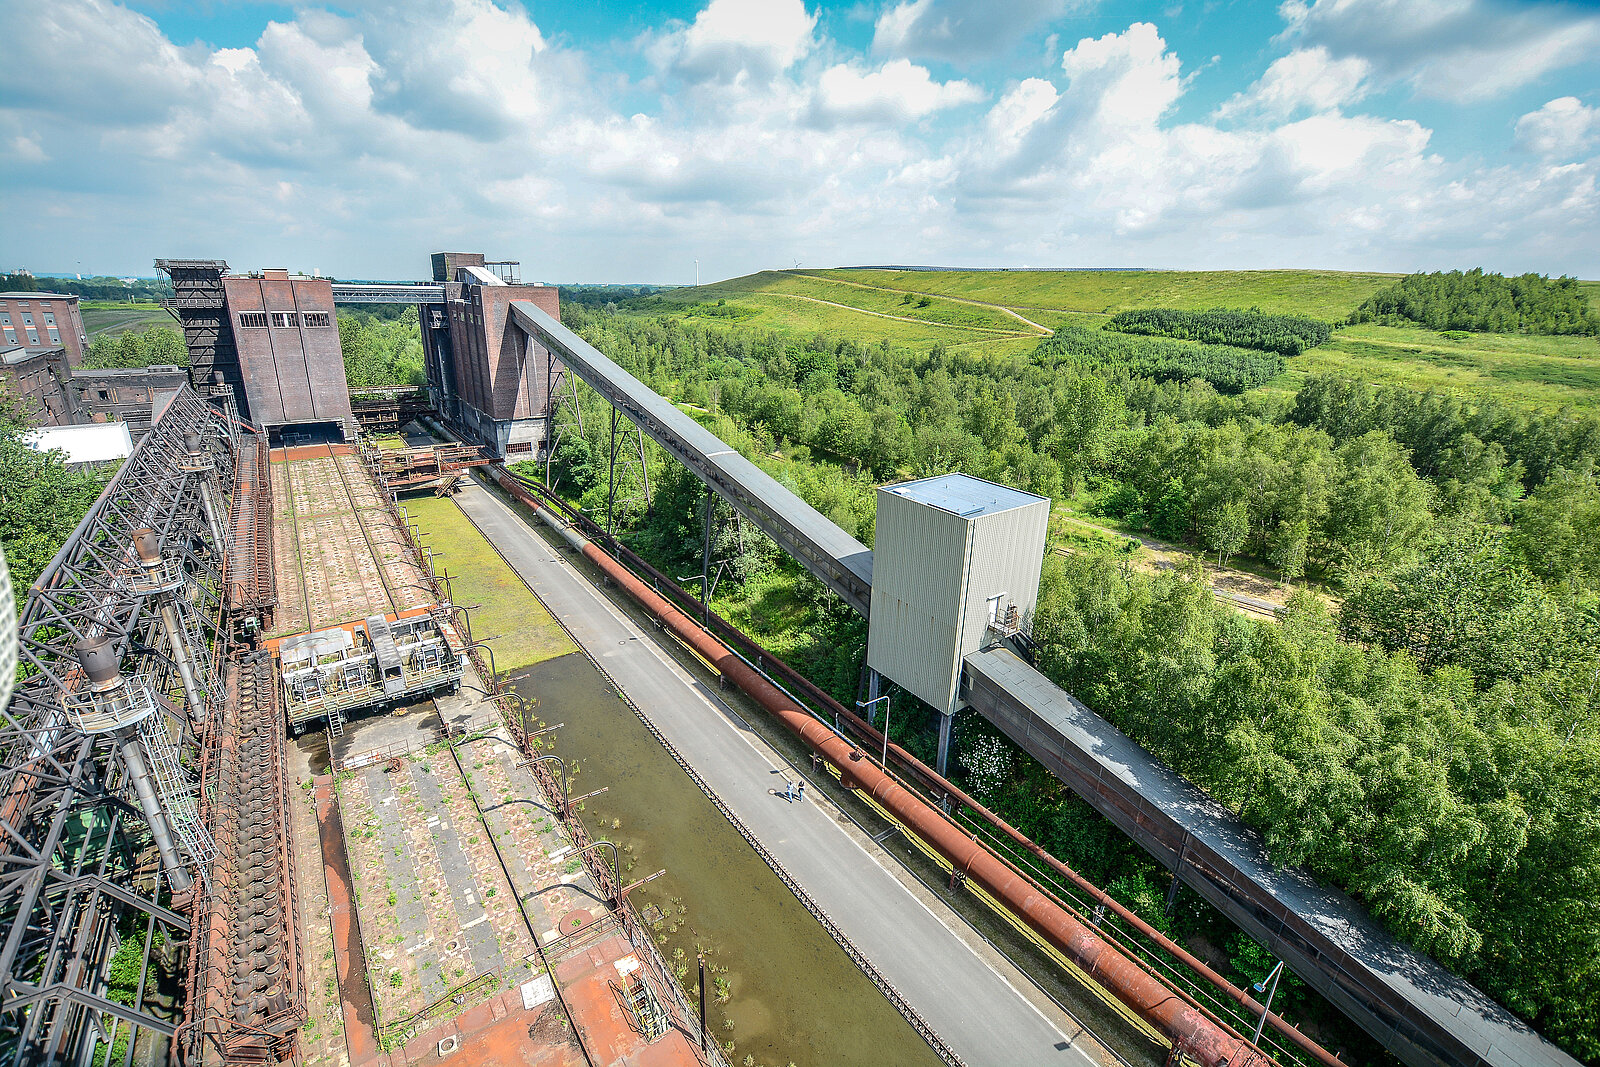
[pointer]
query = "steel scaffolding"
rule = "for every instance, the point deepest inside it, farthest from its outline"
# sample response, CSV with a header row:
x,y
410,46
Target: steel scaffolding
x,y
92,768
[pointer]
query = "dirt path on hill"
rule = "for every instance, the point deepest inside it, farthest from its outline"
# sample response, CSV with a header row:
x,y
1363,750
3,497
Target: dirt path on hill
x,y
896,318
1044,331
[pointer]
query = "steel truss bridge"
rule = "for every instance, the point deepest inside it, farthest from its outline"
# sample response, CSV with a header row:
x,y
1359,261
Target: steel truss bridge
x,y
130,757
1421,1012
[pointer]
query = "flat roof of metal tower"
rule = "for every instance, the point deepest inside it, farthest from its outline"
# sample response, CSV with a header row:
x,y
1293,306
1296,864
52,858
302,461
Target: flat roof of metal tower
x,y
964,495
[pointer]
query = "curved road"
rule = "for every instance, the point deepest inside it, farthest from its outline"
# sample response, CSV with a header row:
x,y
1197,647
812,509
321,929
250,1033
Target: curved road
x,y
983,1008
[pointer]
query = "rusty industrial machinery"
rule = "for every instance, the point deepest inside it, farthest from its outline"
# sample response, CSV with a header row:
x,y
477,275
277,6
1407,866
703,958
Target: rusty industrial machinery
x,y
387,410
435,466
142,790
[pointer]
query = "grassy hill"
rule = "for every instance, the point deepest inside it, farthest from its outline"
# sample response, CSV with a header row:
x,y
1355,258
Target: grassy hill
x,y
103,317
1006,312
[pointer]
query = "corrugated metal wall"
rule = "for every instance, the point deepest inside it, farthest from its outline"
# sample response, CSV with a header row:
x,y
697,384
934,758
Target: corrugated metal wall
x,y
1007,552
919,561
933,573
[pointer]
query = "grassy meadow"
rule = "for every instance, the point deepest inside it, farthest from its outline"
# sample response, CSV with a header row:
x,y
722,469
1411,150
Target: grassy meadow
x,y
986,310
111,319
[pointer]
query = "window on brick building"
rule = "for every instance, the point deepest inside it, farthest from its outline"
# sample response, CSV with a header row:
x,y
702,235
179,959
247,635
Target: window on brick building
x,y
283,319
253,320
315,319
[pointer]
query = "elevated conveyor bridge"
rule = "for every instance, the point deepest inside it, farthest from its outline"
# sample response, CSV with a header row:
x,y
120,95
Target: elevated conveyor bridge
x,y
839,560
1421,1012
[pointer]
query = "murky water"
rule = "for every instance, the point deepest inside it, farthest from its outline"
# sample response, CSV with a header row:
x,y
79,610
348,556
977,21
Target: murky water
x,y
794,996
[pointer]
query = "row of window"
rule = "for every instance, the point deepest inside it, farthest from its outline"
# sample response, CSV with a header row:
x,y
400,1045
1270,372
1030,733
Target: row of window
x,y
33,337
260,320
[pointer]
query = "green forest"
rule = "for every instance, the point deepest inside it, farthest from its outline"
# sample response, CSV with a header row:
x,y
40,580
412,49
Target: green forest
x,y
1229,369
148,347
381,351
1491,303
41,501
1430,744
1287,335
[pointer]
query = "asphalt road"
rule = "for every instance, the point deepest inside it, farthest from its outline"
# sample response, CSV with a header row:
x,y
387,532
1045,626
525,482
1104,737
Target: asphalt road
x,y
971,997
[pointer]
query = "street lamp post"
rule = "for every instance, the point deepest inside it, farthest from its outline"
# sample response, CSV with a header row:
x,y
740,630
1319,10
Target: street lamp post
x,y
868,704
1266,1009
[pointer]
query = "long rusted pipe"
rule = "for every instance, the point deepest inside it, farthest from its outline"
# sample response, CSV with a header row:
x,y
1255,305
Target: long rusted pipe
x,y
936,781
1202,1040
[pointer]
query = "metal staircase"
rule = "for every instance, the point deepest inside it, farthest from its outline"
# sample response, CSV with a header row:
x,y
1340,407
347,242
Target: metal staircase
x,y
178,794
646,1008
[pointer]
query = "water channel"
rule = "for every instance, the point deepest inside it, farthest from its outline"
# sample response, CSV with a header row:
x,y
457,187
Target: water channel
x,y
794,996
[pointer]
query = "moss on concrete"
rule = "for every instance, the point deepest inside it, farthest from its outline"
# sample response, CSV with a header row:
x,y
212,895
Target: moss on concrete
x,y
504,612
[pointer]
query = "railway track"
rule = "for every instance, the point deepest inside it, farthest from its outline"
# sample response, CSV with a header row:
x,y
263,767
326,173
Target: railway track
x,y
366,534
294,527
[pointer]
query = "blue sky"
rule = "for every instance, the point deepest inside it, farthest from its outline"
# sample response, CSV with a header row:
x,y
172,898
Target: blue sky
x,y
621,141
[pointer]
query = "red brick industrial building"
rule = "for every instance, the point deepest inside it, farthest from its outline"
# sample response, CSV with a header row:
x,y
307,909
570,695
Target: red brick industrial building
x,y
35,379
43,320
286,333
269,341
483,375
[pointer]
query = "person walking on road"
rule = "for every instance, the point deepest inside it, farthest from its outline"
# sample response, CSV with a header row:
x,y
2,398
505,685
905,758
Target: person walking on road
x,y
800,791
788,791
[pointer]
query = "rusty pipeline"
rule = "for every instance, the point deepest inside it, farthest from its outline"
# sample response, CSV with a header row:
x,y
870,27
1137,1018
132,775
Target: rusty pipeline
x,y
1186,1027
931,780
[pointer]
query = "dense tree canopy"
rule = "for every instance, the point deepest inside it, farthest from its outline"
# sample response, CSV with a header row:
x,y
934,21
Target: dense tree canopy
x,y
148,347
1490,303
381,352
1464,812
1287,335
1431,747
143,290
1478,452
1230,369
41,501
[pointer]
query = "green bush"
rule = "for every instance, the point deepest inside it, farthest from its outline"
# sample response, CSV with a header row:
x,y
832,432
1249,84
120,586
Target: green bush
x,y
1288,335
1229,369
1488,303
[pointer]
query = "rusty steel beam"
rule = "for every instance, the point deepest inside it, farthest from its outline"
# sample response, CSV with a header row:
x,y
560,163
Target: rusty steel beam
x,y
63,893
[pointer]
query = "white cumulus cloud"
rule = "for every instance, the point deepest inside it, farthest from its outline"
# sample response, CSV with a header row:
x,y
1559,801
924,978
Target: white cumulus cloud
x,y
959,31
1450,49
898,91
1126,78
734,39
359,142
1561,129
1307,79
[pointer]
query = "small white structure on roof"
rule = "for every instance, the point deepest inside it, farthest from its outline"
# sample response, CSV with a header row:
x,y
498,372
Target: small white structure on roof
x,y
956,564
95,442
